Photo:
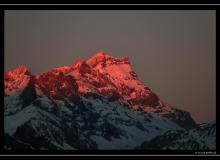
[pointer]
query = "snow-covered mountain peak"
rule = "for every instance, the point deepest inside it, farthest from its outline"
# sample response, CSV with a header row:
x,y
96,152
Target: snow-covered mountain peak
x,y
17,79
19,71
94,104
102,59
102,54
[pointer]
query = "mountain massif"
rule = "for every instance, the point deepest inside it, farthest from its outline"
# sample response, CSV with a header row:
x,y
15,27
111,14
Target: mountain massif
x,y
95,104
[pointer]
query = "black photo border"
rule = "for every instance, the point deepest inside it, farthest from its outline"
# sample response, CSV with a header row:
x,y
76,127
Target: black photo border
x,y
103,7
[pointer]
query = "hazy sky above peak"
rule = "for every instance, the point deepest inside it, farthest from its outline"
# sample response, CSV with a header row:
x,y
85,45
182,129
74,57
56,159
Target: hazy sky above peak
x,y
172,52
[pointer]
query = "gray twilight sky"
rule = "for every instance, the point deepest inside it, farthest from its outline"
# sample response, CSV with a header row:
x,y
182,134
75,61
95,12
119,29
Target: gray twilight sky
x,y
173,52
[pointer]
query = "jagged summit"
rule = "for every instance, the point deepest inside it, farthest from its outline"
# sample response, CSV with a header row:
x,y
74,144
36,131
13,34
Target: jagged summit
x,y
17,79
102,54
20,70
105,59
99,57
